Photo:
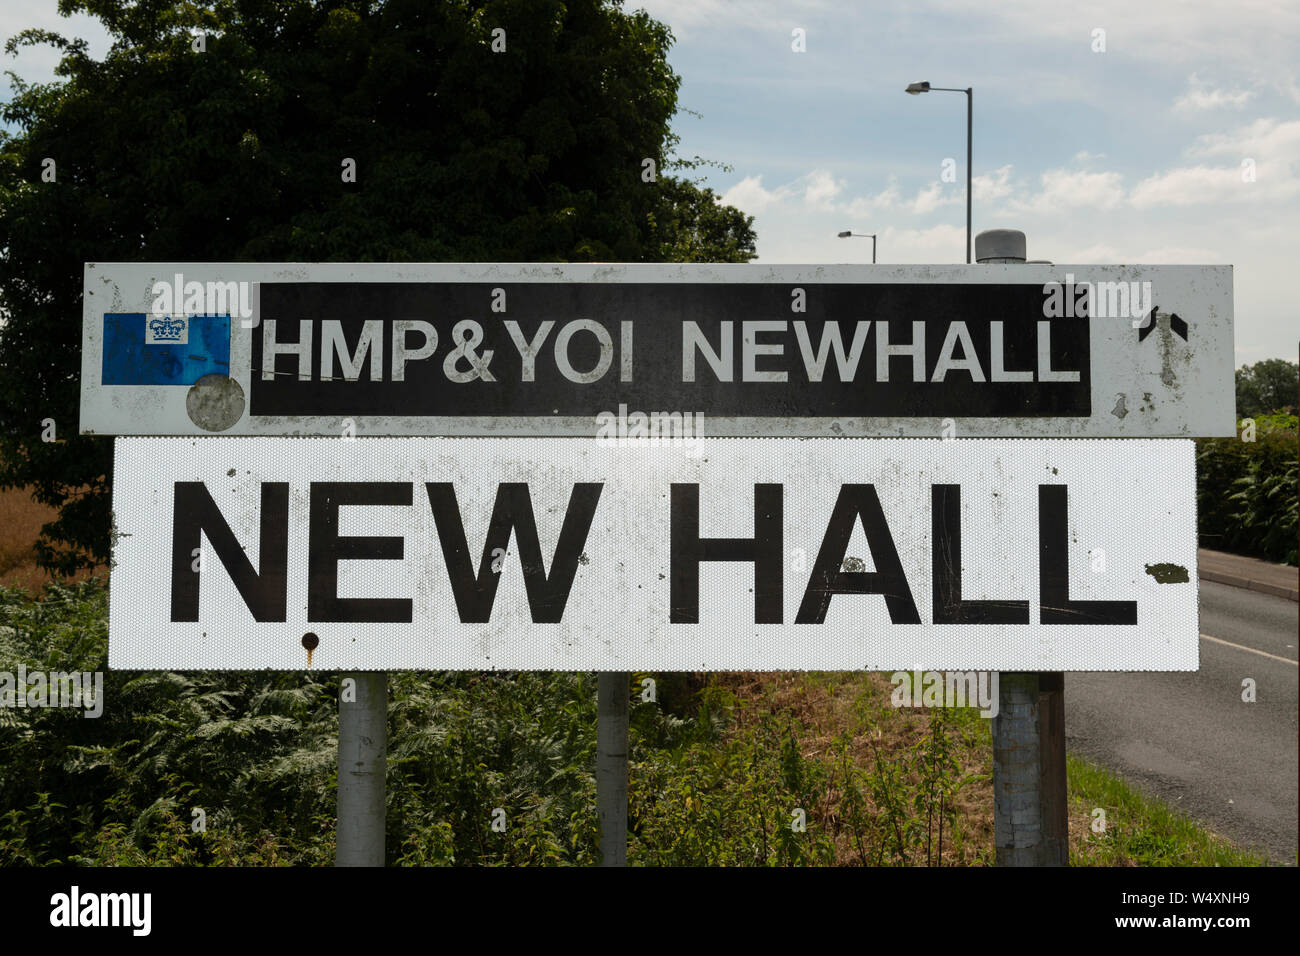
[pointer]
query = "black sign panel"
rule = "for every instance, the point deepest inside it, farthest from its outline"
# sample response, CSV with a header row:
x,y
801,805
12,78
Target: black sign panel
x,y
723,350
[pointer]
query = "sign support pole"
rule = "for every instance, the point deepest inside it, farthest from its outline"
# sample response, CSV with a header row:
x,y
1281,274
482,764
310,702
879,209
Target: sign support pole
x,y
363,760
1052,777
611,765
1029,798
1030,802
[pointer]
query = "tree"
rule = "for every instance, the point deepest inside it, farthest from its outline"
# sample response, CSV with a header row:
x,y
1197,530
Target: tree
x,y
1267,386
218,130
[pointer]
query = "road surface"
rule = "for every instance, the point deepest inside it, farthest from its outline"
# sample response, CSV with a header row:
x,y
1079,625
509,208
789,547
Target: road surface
x,y
1191,740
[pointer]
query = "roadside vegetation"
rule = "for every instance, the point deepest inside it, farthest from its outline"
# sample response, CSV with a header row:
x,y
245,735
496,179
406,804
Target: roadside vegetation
x,y
781,769
1246,489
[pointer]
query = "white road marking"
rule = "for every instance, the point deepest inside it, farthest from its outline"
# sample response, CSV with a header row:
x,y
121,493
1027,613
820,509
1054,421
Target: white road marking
x,y
1243,647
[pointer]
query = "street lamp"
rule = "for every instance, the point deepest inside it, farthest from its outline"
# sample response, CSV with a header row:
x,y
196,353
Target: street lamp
x,y
918,88
862,235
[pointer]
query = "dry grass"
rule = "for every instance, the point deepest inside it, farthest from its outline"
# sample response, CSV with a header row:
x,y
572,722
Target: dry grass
x,y
827,705
21,519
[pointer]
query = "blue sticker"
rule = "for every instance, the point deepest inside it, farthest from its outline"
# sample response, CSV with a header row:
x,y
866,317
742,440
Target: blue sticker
x,y
141,349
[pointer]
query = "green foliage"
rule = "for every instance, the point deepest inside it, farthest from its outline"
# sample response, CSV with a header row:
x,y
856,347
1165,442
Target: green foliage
x,y
1140,830
464,745
234,154
725,801
939,770
899,809
255,751
1246,491
710,783
1267,386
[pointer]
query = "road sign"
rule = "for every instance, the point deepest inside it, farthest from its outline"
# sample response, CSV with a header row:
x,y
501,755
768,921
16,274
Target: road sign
x,y
568,350
717,554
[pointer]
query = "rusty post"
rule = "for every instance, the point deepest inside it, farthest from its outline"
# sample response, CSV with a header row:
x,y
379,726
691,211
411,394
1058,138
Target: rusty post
x,y
1052,777
612,692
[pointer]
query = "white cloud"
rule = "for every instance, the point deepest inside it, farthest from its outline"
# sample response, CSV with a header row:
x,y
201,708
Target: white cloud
x,y
1265,138
820,190
1268,146
1192,185
1238,34
945,242
750,196
790,241
1202,96
1059,190
993,186
1072,189
869,205
1285,83
931,197
689,17
1241,34
817,190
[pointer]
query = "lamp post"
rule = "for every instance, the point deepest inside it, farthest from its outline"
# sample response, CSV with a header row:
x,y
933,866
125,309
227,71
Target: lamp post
x,y
862,235
918,88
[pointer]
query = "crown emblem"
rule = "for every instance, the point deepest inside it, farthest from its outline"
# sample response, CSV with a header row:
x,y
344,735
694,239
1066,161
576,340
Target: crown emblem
x,y
167,329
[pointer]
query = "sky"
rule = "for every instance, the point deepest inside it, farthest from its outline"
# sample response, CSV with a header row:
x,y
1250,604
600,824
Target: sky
x,y
1123,146
1112,132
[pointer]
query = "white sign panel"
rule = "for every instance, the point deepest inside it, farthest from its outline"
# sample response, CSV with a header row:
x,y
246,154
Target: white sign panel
x,y
716,554
333,349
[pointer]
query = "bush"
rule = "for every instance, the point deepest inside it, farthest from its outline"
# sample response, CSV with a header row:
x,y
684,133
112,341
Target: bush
x,y
254,751
257,753
1246,490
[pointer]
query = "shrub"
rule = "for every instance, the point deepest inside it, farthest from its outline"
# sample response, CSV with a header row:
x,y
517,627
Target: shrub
x,y
1246,490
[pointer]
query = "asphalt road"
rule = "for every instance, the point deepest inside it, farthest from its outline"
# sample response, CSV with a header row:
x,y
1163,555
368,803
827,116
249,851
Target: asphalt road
x,y
1191,740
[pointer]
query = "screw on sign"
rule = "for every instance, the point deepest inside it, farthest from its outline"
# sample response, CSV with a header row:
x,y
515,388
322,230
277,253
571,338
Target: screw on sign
x,y
310,641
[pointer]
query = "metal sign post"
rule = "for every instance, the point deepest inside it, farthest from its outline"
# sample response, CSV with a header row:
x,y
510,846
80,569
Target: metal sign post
x,y
1030,798
363,760
611,765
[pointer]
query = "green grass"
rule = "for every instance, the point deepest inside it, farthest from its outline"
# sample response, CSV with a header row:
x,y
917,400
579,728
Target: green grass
x,y
1140,830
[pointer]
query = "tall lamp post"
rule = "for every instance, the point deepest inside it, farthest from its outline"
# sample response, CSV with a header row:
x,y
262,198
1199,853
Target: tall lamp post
x,y
862,235
918,88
